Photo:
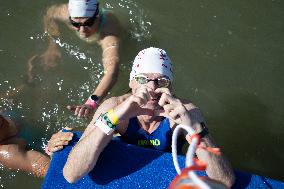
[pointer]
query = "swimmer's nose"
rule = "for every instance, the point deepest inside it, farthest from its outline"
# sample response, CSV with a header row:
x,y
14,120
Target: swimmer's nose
x,y
82,29
152,85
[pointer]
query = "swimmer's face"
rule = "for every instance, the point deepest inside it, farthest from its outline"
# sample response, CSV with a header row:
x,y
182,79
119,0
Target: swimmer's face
x,y
3,121
84,25
151,81
7,128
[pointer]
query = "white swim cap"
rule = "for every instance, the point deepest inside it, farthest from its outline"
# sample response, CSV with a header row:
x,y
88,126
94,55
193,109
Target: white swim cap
x,y
82,8
152,60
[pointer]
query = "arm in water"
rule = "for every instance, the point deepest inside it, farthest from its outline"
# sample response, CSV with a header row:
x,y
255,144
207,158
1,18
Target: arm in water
x,y
48,59
14,153
218,167
109,42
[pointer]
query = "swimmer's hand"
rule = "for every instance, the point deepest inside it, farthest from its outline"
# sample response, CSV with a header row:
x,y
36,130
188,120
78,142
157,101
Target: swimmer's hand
x,y
136,104
172,108
84,110
59,140
44,62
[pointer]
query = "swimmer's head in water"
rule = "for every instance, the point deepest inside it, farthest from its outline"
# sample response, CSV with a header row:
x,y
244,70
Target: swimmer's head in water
x,y
83,8
87,23
7,128
152,60
3,121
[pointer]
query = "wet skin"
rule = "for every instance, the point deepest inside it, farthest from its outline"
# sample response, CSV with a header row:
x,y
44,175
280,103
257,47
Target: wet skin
x,y
14,152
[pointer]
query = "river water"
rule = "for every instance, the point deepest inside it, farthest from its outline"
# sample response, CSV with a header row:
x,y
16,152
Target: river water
x,y
227,59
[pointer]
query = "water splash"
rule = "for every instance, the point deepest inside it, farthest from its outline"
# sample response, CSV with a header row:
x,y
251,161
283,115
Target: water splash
x,y
140,26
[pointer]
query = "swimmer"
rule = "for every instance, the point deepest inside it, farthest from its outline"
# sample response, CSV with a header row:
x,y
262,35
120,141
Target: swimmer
x,y
16,155
91,24
146,117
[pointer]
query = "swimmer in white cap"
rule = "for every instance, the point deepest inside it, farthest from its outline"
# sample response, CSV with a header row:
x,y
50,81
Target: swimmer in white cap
x,y
92,25
146,117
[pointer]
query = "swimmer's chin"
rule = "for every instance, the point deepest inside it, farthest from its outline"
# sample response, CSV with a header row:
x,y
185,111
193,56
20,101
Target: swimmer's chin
x,y
84,35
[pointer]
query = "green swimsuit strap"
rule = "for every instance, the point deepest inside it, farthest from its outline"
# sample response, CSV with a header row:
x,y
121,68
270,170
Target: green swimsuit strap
x,y
103,17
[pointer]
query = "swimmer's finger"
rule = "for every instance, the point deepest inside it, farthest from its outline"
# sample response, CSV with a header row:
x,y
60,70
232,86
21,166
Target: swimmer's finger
x,y
61,137
164,99
55,149
71,108
55,145
61,143
65,136
163,90
87,112
82,112
140,101
77,110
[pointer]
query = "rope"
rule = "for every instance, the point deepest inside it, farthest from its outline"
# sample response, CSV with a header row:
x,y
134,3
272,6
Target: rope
x,y
195,140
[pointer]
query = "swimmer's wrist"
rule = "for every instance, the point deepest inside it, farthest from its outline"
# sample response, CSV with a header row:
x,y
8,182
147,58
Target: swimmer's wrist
x,y
119,114
92,101
202,130
105,124
113,117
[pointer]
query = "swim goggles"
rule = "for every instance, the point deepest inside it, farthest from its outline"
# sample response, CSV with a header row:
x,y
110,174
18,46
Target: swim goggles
x,y
88,23
162,82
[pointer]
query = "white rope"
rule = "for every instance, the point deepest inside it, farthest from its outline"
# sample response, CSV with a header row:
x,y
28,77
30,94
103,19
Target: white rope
x,y
189,155
174,143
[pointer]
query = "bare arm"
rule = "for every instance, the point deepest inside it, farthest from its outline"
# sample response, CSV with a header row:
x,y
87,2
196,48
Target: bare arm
x,y
110,55
53,14
48,59
110,59
218,167
109,42
84,155
19,158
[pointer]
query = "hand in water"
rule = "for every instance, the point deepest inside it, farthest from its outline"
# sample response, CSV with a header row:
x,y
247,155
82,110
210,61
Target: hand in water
x,y
84,110
43,62
59,140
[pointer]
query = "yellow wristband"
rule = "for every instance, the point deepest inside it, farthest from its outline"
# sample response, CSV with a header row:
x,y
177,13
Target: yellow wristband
x,y
112,117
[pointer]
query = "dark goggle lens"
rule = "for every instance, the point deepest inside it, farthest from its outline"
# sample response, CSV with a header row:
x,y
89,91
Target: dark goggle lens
x,y
163,82
87,23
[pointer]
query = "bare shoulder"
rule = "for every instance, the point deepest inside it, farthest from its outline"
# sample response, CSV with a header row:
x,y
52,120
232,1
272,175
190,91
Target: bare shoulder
x,y
59,12
112,26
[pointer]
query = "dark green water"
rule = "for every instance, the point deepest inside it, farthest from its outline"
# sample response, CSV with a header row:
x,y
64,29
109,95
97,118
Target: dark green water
x,y
227,57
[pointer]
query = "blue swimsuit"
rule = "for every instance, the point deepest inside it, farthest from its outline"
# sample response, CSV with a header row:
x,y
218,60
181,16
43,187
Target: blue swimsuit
x,y
159,139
